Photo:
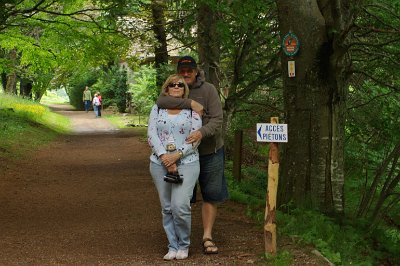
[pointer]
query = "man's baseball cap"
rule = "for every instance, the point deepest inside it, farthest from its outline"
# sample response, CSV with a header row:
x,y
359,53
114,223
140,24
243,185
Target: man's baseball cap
x,y
186,61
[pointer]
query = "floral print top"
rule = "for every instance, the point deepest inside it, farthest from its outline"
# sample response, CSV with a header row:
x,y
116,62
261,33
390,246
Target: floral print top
x,y
164,128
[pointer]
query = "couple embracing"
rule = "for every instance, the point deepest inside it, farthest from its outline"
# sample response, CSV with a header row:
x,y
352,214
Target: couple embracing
x,y
185,135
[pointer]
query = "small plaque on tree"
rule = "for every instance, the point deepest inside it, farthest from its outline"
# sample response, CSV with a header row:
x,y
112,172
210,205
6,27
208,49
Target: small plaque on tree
x,y
290,44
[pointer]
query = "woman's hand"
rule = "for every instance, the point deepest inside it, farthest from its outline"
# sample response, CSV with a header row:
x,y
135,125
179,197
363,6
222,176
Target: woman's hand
x,y
197,107
172,169
169,159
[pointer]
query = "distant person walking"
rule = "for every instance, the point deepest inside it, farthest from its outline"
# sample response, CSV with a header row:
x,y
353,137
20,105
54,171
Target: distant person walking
x,y
101,103
96,105
87,98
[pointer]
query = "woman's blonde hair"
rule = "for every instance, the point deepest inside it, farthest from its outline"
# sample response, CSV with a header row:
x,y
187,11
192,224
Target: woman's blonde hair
x,y
175,78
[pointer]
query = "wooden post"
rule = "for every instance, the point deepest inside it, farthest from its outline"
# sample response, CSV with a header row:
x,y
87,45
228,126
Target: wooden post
x,y
270,206
237,155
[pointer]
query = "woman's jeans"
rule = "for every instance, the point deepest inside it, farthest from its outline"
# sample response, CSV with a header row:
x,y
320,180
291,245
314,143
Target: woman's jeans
x,y
175,203
96,110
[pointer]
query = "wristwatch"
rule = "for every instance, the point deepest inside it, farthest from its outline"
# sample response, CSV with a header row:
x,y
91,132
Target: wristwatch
x,y
180,154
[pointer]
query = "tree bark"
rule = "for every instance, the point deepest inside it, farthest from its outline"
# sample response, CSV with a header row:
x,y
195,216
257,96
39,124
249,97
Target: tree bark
x,y
208,43
313,168
4,80
11,85
38,95
160,48
25,88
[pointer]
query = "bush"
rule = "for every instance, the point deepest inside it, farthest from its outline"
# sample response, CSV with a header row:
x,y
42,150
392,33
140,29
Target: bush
x,y
144,90
113,88
77,85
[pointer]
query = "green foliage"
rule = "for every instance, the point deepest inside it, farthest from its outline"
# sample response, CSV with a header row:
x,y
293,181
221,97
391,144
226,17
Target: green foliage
x,y
60,39
77,84
104,86
370,136
314,228
121,89
254,182
144,90
55,97
343,243
282,258
373,118
388,242
113,87
245,118
251,190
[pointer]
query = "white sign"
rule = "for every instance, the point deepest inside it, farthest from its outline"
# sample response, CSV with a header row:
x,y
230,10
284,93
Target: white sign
x,y
272,132
291,69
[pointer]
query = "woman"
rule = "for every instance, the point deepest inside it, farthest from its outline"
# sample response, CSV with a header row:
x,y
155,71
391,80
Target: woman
x,y
96,104
100,103
167,132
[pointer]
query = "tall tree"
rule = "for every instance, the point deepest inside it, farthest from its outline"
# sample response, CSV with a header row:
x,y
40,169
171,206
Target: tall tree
x,y
11,77
208,41
160,49
315,101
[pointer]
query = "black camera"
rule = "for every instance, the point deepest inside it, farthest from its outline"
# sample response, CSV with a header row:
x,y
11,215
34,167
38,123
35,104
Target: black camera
x,y
173,178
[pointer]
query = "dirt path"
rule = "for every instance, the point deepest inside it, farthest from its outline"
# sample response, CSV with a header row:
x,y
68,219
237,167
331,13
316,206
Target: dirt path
x,y
88,199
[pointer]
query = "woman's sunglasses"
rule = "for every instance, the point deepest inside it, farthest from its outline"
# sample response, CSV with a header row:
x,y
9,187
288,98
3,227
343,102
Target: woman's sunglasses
x,y
179,84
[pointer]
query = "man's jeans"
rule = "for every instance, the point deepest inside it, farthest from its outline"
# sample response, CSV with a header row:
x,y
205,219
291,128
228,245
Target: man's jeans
x,y
87,105
175,203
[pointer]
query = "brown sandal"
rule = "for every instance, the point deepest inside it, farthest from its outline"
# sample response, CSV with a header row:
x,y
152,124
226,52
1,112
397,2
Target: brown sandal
x,y
209,249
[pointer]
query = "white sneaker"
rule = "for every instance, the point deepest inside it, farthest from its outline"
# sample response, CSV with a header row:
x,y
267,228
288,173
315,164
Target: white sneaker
x,y
170,255
182,254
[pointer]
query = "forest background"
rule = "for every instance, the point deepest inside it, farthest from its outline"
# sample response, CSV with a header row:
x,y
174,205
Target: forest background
x,y
339,177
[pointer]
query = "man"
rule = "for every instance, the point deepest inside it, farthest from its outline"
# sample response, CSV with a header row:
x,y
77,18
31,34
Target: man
x,y
87,98
204,98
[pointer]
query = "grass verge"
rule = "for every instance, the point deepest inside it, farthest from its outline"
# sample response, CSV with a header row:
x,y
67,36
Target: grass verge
x,y
25,125
126,120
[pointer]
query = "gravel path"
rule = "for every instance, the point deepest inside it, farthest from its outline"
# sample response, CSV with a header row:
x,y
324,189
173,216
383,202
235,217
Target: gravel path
x,y
88,199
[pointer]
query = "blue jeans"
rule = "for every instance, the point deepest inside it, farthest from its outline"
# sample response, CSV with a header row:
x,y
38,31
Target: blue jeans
x,y
87,104
96,110
175,203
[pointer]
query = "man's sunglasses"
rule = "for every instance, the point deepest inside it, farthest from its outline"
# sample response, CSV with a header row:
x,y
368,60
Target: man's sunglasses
x,y
179,84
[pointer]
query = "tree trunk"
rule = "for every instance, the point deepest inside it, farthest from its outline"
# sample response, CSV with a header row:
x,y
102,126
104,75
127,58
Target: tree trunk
x,y
313,166
25,88
208,43
38,95
11,85
4,80
160,48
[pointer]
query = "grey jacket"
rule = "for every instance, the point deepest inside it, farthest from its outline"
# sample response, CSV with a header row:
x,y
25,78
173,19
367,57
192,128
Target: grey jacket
x,y
206,94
